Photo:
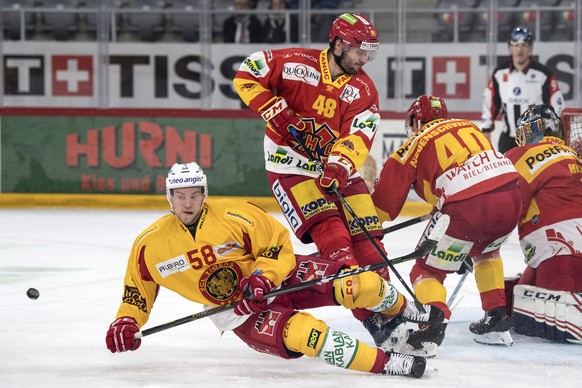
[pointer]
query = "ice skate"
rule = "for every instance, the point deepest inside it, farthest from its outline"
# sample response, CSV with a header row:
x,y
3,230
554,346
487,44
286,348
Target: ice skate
x,y
431,315
404,364
493,328
423,342
386,330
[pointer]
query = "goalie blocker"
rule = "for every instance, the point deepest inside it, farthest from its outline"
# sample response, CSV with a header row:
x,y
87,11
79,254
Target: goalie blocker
x,y
554,315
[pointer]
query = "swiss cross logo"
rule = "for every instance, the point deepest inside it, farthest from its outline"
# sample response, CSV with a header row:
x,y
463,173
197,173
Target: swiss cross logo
x,y
451,77
72,75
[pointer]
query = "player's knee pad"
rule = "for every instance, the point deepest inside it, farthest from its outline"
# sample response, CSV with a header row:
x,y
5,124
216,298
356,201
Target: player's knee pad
x,y
555,315
305,334
365,290
264,332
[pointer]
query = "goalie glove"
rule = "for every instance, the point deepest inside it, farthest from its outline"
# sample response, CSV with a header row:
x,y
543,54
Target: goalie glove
x,y
280,117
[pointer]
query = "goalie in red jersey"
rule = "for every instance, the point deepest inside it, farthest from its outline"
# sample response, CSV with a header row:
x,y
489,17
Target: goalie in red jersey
x,y
327,98
453,166
547,301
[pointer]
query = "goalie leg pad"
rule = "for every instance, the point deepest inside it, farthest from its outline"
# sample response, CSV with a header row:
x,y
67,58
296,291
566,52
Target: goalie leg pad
x,y
554,315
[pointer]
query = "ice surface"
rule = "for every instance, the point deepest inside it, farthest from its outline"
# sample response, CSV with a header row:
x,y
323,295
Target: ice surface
x,y
76,259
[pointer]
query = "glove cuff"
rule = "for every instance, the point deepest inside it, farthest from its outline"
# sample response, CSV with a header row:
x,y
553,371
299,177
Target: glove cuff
x,y
342,161
124,321
275,106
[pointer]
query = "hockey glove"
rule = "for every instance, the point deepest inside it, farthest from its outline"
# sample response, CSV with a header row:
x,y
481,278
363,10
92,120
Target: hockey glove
x,y
280,117
334,175
254,289
120,335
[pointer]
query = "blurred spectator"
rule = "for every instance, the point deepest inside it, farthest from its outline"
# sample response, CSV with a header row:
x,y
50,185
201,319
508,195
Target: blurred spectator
x,y
242,28
320,23
275,28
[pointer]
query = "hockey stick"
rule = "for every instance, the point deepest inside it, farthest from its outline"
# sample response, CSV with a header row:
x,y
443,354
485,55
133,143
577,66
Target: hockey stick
x,y
468,270
402,225
407,223
422,250
334,190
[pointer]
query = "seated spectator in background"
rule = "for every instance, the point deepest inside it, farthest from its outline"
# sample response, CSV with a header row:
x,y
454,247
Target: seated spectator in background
x,y
275,28
547,300
242,28
320,23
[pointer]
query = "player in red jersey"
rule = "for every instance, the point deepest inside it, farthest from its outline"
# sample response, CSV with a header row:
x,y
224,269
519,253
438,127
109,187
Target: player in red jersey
x,y
548,297
453,166
220,251
331,102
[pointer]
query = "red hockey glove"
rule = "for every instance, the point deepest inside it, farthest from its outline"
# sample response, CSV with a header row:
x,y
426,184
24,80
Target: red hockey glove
x,y
120,335
280,117
334,175
254,289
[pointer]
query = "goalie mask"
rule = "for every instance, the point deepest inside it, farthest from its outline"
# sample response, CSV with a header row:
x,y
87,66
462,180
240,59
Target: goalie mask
x,y
537,122
424,109
355,30
185,175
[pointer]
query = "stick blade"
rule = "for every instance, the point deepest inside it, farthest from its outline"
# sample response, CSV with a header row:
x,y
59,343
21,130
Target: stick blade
x,y
440,228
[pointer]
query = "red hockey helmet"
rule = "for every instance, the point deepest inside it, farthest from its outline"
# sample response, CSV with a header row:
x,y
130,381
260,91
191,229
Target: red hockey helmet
x,y
355,30
424,109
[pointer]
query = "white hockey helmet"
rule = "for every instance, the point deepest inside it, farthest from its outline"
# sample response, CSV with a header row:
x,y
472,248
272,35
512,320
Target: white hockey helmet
x,y
186,175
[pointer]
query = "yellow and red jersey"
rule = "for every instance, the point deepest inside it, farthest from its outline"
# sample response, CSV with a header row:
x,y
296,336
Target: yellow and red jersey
x,y
551,188
233,239
341,115
447,160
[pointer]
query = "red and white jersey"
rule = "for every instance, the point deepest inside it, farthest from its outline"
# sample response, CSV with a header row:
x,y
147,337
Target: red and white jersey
x,y
447,160
233,239
551,188
511,92
341,115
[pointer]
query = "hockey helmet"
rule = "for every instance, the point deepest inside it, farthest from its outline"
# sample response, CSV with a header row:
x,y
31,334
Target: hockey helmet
x,y
521,34
186,175
355,30
537,122
424,109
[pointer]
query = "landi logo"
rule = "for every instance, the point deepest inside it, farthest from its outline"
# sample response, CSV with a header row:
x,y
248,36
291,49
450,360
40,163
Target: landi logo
x,y
134,144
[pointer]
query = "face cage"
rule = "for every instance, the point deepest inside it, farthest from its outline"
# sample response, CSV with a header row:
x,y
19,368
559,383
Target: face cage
x,y
524,134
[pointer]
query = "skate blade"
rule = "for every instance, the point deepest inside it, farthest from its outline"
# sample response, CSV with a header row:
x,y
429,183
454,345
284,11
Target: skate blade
x,y
428,350
496,338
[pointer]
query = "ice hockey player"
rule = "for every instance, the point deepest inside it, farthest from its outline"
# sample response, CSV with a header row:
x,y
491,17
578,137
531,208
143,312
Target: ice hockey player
x,y
218,251
451,165
330,101
547,301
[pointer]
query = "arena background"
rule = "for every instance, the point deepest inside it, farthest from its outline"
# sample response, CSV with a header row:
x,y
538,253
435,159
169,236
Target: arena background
x,y
98,121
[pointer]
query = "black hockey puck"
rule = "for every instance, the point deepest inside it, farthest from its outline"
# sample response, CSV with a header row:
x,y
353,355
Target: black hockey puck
x,y
33,293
